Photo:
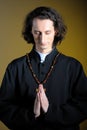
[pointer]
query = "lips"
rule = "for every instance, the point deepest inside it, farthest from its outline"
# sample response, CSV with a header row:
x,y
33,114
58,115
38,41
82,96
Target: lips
x,y
43,44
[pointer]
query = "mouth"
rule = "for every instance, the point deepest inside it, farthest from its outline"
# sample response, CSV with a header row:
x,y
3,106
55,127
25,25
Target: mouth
x,y
43,44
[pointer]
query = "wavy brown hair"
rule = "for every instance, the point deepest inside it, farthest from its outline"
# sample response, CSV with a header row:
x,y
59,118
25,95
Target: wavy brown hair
x,y
44,13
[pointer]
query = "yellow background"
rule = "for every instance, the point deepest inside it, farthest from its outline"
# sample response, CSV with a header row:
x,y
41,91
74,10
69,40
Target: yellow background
x,y
12,45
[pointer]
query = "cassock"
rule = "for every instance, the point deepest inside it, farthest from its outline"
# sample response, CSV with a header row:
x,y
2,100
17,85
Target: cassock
x,y
66,90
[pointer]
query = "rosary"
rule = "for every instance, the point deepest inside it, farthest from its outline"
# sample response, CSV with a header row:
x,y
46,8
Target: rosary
x,y
47,75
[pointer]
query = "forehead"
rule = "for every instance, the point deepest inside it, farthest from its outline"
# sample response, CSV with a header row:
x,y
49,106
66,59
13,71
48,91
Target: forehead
x,y
42,24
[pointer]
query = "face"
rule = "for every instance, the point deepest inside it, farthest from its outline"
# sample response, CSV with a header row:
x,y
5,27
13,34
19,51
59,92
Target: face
x,y
43,32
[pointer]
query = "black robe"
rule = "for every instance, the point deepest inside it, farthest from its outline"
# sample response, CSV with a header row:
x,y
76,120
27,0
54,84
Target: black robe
x,y
66,89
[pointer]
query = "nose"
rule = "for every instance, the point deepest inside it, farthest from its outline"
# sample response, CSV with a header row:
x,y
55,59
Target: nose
x,y
42,38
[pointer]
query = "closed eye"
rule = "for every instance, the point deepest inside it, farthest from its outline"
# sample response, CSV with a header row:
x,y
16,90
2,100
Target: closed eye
x,y
48,32
37,32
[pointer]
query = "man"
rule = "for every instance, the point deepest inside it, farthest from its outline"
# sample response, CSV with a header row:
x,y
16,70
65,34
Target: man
x,y
44,90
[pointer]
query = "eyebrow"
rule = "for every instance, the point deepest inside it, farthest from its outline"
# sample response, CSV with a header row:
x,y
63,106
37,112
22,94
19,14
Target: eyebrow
x,y
40,31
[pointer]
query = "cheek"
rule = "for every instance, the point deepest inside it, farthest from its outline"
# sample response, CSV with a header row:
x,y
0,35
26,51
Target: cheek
x,y
51,38
35,37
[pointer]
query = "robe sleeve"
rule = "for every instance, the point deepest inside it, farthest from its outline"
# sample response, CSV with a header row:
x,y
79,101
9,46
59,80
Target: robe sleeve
x,y
74,110
12,112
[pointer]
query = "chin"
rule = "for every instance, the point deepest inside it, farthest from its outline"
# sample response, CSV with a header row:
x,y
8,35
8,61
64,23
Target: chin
x,y
43,48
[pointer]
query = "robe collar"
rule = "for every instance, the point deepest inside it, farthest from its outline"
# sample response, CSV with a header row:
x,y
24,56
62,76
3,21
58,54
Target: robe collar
x,y
34,55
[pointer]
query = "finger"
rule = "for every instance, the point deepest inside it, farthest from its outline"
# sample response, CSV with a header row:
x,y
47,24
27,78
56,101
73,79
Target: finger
x,y
41,88
38,96
40,85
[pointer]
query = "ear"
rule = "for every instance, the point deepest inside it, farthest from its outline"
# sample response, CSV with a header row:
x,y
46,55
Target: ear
x,y
56,32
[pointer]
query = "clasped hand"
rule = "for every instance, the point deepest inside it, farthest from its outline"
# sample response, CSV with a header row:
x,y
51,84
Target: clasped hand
x,y
41,101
